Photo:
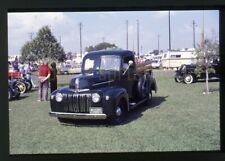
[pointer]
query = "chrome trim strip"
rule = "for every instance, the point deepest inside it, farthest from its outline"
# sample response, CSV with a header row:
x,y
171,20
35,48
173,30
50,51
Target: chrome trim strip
x,y
78,115
102,83
137,104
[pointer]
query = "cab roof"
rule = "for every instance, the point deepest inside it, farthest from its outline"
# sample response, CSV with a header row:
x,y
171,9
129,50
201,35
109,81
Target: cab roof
x,y
111,52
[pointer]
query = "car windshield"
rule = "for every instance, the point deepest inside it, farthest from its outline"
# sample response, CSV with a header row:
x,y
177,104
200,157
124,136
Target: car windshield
x,y
154,61
102,63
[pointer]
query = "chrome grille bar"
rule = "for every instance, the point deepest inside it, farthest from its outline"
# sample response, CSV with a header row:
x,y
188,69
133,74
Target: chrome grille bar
x,y
78,103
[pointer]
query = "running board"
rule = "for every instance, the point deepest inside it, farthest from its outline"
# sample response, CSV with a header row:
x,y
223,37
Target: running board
x,y
133,105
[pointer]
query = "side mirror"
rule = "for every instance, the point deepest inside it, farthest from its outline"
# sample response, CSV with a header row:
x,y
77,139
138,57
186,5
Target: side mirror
x,y
130,63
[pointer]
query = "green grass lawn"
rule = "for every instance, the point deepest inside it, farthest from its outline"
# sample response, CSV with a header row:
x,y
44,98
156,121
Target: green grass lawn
x,y
180,118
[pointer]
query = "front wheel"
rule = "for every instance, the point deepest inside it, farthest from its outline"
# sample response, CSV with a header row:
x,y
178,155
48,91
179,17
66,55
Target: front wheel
x,y
188,79
177,79
9,95
118,114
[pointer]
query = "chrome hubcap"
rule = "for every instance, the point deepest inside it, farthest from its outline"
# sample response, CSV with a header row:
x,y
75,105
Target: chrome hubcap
x,y
118,111
188,79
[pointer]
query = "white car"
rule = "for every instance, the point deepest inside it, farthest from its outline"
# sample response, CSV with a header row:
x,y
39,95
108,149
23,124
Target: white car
x,y
69,69
156,63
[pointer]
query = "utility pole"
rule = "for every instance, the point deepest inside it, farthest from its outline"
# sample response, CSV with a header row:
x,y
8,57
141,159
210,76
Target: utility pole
x,y
127,33
80,28
60,40
103,39
158,36
169,39
31,35
138,37
194,24
169,34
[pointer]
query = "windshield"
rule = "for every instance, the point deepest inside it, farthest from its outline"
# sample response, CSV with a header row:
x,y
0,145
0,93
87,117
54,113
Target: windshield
x,y
102,63
154,61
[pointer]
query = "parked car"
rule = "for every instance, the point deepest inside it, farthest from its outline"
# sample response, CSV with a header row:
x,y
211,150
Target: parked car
x,y
13,92
156,63
188,74
13,73
75,69
107,88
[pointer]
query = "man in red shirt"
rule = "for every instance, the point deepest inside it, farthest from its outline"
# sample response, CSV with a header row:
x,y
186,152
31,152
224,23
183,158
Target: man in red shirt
x,y
43,81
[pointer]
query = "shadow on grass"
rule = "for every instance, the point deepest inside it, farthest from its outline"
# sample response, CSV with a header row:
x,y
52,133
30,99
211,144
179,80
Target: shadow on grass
x,y
87,123
32,90
20,98
203,80
131,116
138,111
62,84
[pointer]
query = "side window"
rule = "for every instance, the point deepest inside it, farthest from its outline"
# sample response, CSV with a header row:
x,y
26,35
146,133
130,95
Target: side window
x,y
89,64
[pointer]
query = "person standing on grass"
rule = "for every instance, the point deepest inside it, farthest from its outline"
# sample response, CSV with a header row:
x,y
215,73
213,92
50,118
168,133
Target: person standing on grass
x,y
29,75
53,77
43,81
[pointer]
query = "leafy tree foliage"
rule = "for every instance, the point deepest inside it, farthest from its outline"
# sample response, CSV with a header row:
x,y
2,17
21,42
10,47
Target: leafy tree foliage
x,y
69,55
25,51
206,58
44,45
101,46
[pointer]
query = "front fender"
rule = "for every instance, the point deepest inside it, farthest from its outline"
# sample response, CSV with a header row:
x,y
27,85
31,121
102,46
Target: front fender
x,y
112,97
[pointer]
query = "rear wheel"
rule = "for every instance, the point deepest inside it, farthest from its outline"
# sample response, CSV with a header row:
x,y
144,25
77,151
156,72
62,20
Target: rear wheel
x,y
119,114
149,98
29,85
21,87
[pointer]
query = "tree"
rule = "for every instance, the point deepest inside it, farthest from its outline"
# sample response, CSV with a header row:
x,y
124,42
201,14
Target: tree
x,y
206,56
101,46
44,45
69,55
25,51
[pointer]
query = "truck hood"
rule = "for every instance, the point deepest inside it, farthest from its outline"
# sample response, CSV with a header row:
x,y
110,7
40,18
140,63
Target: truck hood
x,y
92,81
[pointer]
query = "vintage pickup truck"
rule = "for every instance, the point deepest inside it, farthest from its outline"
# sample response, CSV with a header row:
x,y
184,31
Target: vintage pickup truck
x,y
108,87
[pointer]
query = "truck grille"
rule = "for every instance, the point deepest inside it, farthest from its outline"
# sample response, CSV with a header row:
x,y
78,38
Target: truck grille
x,y
77,103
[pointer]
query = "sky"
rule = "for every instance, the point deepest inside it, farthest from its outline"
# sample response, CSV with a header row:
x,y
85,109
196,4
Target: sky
x,y
111,27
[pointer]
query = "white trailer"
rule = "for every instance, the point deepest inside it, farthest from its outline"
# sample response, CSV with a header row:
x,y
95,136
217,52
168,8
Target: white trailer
x,y
174,59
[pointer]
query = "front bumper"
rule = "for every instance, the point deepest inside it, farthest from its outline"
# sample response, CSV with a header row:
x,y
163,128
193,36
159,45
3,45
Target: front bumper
x,y
78,115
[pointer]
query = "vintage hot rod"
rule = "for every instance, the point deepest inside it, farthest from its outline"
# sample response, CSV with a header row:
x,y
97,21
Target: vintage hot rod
x,y
107,88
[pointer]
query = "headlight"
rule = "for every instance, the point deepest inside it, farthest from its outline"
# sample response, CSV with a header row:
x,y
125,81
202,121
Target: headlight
x,y
58,97
96,97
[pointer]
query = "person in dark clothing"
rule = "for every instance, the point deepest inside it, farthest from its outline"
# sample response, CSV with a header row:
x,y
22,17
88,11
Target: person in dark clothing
x,y
53,77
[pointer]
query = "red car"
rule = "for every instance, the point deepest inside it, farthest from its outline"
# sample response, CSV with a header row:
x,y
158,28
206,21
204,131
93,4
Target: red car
x,y
13,73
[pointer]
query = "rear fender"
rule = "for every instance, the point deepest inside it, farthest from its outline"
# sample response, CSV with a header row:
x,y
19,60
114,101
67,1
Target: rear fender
x,y
153,84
